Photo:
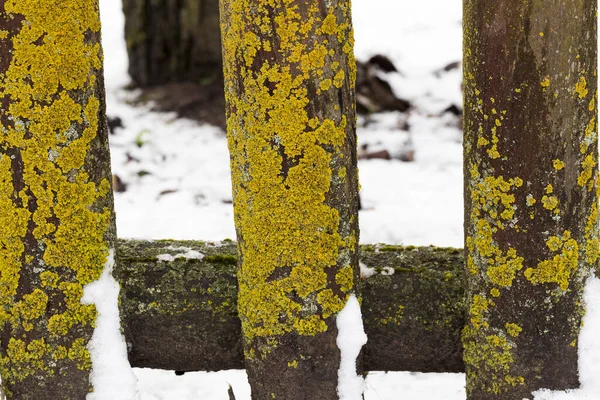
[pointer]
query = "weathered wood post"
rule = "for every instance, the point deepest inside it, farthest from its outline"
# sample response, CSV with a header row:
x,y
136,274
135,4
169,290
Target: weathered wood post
x,y
289,85
531,217
173,41
56,207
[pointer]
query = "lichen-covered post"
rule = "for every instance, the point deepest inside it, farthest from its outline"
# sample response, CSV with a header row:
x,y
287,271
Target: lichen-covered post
x,y
56,207
289,85
531,174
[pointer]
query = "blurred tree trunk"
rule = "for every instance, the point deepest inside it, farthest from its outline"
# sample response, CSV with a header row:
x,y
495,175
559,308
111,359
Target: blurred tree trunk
x,y
289,85
56,207
530,162
173,41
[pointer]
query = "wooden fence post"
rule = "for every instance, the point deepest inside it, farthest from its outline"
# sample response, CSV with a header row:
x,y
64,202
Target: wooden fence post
x,y
531,172
56,206
289,84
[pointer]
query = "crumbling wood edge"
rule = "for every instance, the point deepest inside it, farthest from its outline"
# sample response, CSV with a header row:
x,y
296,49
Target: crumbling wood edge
x,y
179,309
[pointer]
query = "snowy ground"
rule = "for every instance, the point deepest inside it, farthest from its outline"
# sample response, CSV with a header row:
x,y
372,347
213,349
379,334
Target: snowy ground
x,y
177,176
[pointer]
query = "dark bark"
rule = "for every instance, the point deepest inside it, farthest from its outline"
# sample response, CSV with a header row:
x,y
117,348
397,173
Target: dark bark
x,y
289,73
531,224
56,206
174,49
173,41
182,314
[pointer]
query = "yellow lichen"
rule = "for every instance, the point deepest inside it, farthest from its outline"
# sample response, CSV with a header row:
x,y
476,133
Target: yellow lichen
x,y
330,303
581,87
592,241
489,353
481,141
587,170
490,194
477,311
345,278
549,202
471,267
546,82
25,360
338,79
79,353
503,270
560,268
590,135
513,329
558,164
325,85
514,380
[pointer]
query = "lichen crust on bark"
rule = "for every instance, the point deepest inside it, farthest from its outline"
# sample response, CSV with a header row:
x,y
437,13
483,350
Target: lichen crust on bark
x,y
531,219
55,194
289,78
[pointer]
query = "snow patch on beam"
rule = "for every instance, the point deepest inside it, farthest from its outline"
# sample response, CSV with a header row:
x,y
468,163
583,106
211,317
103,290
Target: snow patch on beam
x,y
366,272
111,375
351,338
188,254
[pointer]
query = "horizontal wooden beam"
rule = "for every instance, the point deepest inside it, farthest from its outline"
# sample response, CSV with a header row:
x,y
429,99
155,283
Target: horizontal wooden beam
x,y
179,310
179,306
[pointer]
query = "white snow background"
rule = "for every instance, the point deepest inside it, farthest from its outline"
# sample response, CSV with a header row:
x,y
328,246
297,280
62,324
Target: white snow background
x,y
179,187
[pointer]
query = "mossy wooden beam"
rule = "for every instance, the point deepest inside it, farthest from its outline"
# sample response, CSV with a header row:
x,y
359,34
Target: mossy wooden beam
x,y
179,311
179,306
56,207
289,72
531,181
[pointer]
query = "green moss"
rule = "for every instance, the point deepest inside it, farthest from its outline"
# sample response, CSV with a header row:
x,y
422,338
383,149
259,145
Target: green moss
x,y
391,248
221,259
393,315
139,259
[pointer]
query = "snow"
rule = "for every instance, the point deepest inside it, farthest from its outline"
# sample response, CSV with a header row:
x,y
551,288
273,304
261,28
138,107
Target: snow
x,y
178,186
188,254
162,385
351,338
112,376
365,271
